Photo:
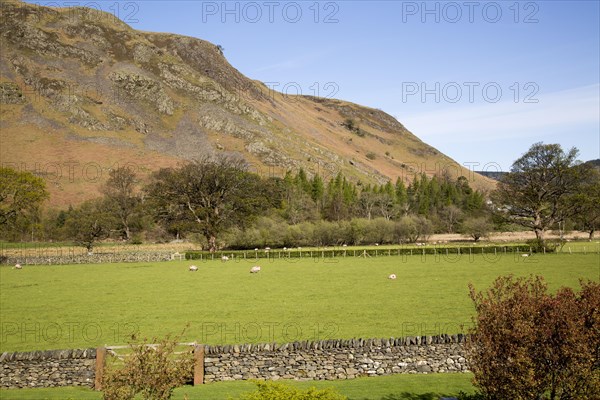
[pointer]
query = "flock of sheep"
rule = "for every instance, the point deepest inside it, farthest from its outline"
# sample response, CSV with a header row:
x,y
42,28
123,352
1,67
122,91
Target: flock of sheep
x,y
253,270
256,268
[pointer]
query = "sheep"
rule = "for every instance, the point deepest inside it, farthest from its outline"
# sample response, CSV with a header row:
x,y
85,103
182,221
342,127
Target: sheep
x,y
255,269
392,276
193,268
525,255
224,258
18,266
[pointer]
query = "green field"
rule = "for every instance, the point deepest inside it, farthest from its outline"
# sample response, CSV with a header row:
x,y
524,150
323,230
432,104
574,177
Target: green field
x,y
53,307
74,306
393,387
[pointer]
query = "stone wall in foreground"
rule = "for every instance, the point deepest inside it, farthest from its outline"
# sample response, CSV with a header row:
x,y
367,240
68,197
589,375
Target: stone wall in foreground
x,y
48,368
335,359
306,360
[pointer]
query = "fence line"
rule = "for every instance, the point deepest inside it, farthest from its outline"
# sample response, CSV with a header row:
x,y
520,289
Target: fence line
x,y
374,252
324,253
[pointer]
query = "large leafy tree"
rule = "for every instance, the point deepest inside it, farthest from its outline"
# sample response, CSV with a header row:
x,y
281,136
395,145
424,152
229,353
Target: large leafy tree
x,y
21,194
89,223
536,192
529,344
212,193
477,227
122,197
587,202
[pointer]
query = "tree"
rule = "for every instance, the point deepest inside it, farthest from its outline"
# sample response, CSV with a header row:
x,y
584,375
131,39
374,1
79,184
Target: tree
x,y
529,344
120,191
298,206
535,193
587,203
401,195
451,215
367,202
477,227
21,194
89,223
212,193
411,228
317,191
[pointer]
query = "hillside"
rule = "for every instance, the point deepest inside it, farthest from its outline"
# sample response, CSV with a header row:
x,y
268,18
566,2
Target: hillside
x,y
82,92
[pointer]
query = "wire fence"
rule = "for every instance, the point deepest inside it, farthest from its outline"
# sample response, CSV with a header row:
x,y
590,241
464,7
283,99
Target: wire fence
x,y
75,255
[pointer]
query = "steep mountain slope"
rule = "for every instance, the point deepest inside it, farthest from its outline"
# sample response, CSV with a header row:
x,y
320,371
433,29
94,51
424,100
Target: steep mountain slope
x,y
82,92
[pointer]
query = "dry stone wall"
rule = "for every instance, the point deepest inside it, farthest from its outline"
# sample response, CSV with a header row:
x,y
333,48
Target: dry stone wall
x,y
307,360
48,368
335,359
99,258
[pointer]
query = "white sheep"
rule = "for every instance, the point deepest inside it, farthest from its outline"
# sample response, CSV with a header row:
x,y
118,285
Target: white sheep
x,y
18,266
255,269
224,258
193,268
525,255
392,276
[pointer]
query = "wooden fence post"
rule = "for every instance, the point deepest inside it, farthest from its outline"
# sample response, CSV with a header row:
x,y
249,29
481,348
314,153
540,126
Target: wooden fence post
x,y
198,365
100,359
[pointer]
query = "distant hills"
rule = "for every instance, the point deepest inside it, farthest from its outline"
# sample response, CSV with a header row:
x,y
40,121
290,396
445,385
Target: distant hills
x,y
81,92
496,175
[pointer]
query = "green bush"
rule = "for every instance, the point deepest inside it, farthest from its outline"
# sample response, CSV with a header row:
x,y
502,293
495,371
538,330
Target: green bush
x,y
541,246
278,391
465,396
152,372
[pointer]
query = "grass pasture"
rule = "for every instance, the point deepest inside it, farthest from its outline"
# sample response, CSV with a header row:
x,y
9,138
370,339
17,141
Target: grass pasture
x,y
75,306
393,387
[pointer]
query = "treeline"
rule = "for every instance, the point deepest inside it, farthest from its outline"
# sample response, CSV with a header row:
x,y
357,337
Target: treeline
x,y
304,199
218,203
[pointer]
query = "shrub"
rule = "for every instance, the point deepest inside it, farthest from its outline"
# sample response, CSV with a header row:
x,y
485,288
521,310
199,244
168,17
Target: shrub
x,y
326,233
278,391
371,156
150,371
465,396
352,126
411,228
539,246
379,230
529,344
477,228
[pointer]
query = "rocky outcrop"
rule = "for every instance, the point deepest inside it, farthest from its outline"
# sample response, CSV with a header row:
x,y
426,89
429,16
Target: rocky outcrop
x,y
143,88
10,93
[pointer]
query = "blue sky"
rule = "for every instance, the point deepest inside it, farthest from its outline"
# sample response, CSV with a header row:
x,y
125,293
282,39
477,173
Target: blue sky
x,y
480,81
